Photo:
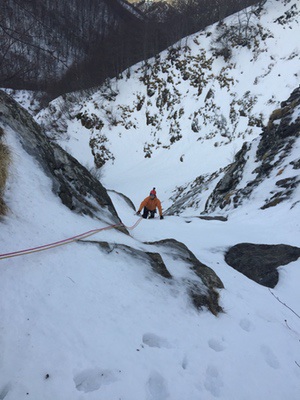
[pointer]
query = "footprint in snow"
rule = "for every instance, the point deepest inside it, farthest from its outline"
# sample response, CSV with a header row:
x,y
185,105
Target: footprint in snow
x,y
157,387
213,382
185,362
270,357
216,345
246,325
90,380
152,340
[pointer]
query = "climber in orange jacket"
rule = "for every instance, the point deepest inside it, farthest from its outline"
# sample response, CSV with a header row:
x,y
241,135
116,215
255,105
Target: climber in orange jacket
x,y
150,204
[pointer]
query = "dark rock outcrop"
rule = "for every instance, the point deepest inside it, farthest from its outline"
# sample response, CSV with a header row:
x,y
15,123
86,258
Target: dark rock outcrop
x,y
266,157
125,198
190,196
225,190
214,218
154,259
201,289
158,265
73,183
259,262
203,292
275,146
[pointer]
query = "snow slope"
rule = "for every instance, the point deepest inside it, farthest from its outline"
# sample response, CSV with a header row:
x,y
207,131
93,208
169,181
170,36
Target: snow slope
x,y
79,323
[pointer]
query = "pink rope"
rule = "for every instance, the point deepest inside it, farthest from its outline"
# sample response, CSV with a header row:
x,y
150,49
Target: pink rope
x,y
64,241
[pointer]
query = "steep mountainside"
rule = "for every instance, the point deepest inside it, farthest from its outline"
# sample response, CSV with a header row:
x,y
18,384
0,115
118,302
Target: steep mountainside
x,y
195,104
267,166
201,304
44,40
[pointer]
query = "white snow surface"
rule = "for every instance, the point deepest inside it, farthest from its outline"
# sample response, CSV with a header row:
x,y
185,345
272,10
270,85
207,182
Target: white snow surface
x,y
77,323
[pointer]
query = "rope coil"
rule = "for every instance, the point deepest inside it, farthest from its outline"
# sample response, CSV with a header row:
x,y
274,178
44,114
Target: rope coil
x,y
65,241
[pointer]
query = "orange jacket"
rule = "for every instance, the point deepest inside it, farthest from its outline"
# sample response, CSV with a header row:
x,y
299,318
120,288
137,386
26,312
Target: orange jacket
x,y
151,204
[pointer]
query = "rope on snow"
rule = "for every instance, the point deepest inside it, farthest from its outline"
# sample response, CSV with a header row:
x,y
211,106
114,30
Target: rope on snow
x,y
65,241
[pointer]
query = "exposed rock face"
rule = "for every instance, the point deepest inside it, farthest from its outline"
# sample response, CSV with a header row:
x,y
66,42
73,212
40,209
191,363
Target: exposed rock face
x,y
158,265
203,293
277,141
201,289
259,262
269,157
272,157
125,198
190,196
214,218
73,183
225,190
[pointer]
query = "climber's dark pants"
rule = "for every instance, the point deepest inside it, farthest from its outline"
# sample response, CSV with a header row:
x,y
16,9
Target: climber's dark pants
x,y
146,212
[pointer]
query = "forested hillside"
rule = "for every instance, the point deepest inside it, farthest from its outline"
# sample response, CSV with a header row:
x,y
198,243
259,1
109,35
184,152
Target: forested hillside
x,y
45,42
61,46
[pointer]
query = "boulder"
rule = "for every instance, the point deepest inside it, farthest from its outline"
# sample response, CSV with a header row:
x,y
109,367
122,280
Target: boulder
x,y
259,262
